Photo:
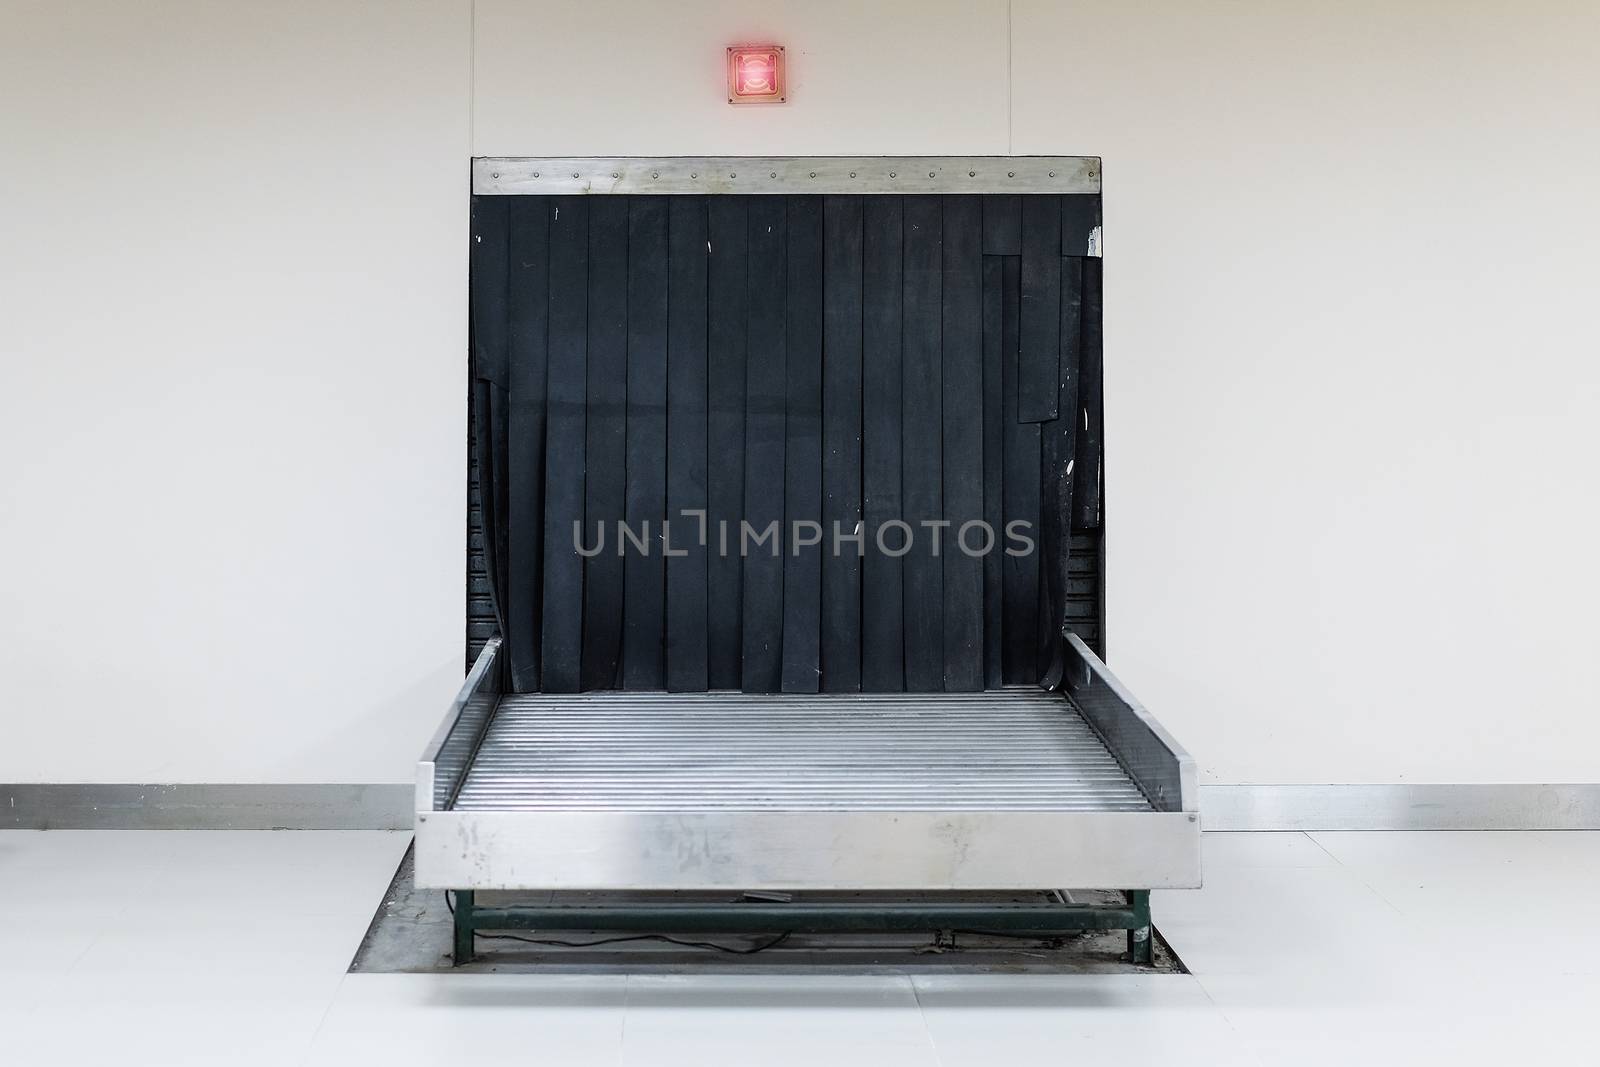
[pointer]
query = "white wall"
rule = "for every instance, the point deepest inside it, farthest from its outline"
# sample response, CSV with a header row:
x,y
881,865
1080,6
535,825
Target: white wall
x,y
1352,351
629,78
231,414
1353,374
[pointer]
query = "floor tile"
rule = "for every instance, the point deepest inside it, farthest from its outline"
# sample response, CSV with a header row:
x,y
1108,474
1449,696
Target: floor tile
x,y
35,959
982,1020
1222,850
1316,1020
250,945
1527,852
430,1019
1271,919
84,878
836,1020
1519,899
1405,1016
105,851
155,1019
68,879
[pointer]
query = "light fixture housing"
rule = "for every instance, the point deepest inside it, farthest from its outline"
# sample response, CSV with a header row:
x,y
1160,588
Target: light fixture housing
x,y
756,74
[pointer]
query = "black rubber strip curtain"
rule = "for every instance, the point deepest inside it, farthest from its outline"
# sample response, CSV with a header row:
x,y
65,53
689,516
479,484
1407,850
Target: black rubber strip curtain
x,y
659,381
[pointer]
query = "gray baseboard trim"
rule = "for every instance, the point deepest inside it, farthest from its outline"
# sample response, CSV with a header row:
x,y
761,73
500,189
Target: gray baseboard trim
x,y
95,806
1400,807
213,806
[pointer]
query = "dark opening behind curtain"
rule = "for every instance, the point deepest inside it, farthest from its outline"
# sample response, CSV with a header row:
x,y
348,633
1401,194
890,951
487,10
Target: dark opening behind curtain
x,y
840,361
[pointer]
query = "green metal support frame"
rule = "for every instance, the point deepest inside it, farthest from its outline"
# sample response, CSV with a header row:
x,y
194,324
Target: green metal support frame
x,y
776,918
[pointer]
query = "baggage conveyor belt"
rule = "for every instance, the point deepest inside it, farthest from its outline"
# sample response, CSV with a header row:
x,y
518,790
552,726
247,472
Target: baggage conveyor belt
x,y
1012,750
1004,790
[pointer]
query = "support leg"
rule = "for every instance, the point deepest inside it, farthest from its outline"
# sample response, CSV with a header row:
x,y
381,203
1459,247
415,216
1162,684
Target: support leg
x,y
464,948
1141,946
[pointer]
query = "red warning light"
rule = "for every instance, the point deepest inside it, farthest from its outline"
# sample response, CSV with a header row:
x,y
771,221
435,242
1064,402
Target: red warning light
x,y
755,74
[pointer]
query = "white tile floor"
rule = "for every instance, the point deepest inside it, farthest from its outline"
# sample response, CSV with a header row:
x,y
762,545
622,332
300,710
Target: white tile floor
x,y
231,948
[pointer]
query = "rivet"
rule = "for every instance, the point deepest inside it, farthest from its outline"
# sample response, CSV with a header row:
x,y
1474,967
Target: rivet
x,y
535,174
972,174
930,174
1011,174
1052,174
574,174
614,174
496,175
732,175
774,174
693,175
655,174
891,174
813,174
852,174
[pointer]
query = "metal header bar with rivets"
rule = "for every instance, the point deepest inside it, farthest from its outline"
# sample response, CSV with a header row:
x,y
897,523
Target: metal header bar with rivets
x,y
524,175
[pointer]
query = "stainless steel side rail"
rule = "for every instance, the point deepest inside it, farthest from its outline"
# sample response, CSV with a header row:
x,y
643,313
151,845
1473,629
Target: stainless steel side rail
x,y
661,827
445,761
1156,762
